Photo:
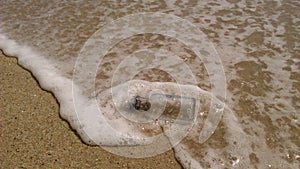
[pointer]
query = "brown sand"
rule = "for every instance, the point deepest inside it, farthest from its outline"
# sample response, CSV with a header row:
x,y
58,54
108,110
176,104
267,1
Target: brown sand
x,y
34,136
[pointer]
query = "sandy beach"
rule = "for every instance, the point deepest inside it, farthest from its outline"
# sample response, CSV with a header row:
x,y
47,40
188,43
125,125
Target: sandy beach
x,y
243,56
34,136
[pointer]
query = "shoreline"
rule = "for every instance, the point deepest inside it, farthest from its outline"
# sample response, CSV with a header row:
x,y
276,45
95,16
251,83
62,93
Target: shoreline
x,y
33,135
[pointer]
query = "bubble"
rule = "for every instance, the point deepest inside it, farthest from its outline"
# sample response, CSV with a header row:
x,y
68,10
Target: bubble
x,y
109,120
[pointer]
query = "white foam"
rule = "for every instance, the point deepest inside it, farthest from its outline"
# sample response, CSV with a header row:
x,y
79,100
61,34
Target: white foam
x,y
60,86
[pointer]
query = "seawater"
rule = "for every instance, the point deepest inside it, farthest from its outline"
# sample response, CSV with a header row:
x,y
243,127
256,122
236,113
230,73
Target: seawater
x,y
258,44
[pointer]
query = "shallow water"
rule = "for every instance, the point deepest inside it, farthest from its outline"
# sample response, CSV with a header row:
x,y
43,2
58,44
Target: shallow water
x,y
257,42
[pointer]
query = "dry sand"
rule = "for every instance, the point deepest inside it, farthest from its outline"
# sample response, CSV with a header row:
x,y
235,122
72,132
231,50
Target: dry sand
x,y
34,136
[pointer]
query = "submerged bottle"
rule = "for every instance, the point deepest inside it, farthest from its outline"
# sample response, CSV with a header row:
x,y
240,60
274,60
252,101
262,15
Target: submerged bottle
x,y
165,107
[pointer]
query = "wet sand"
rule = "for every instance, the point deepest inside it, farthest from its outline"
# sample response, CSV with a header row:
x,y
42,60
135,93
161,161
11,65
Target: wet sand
x,y
34,136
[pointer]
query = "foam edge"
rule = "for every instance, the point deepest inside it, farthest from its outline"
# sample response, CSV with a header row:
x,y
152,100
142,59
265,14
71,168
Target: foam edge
x,y
53,82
